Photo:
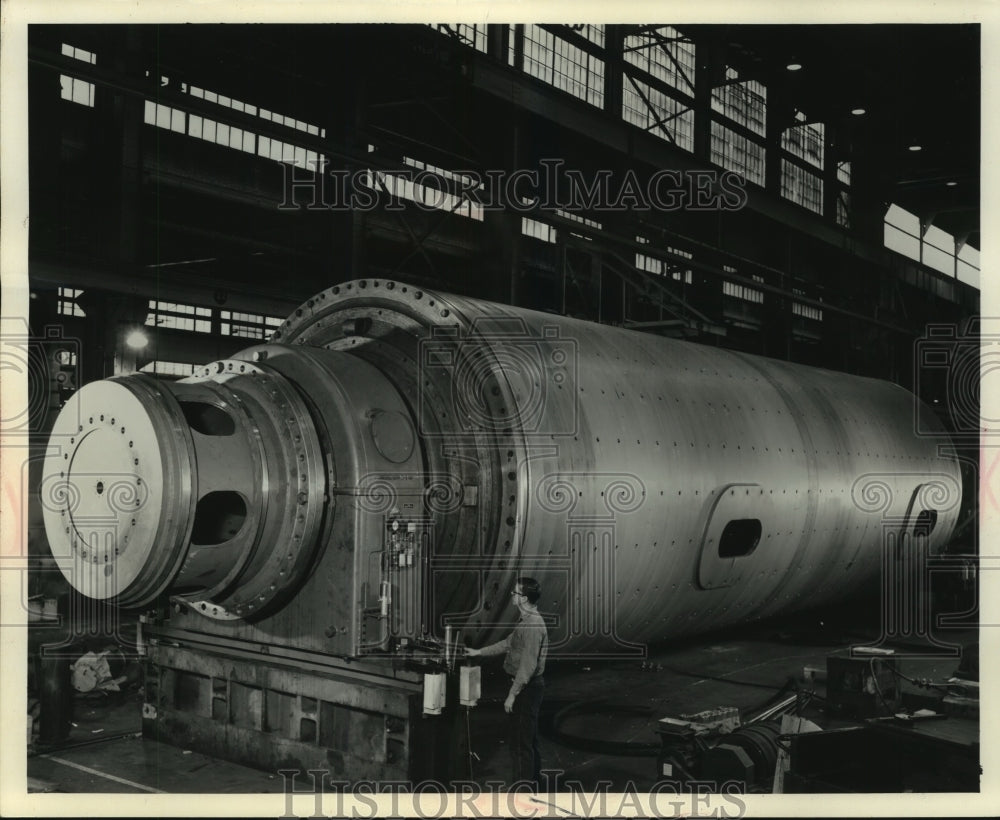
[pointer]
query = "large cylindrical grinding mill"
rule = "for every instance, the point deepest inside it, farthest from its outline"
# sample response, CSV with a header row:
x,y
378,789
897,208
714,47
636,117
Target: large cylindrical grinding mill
x,y
393,459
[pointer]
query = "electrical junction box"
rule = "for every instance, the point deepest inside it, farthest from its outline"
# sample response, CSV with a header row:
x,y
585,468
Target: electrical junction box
x,y
863,687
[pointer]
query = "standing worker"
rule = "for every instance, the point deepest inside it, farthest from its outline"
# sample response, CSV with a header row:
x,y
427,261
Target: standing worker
x,y
526,649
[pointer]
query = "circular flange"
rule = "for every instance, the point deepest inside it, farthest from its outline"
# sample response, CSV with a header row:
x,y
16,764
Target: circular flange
x,y
107,488
427,341
280,548
209,609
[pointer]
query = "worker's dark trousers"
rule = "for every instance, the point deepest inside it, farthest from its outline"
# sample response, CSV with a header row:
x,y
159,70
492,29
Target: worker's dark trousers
x,y
526,762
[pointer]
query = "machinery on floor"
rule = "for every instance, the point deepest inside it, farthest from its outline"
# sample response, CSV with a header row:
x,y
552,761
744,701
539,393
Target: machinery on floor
x,y
319,522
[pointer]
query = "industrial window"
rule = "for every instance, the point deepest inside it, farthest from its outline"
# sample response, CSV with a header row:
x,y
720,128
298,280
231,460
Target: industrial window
x,y
462,205
177,369
594,33
678,272
659,267
66,304
737,153
844,209
538,230
71,88
79,54
665,54
805,141
228,102
807,311
743,102
286,152
563,65
177,316
428,196
291,122
78,91
232,137
936,248
240,139
741,291
577,218
649,264
801,186
474,36
939,250
657,112
248,325
902,232
163,116
967,265
844,172
739,538
253,110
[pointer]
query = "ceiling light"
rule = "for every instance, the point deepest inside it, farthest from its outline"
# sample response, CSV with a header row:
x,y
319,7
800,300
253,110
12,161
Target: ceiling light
x,y
951,183
915,147
137,340
793,66
857,112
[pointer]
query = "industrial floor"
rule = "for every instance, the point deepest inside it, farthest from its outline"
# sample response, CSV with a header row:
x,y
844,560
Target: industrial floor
x,y
741,669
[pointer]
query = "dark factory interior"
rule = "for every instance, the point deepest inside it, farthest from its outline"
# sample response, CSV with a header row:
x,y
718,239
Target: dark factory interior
x,y
341,334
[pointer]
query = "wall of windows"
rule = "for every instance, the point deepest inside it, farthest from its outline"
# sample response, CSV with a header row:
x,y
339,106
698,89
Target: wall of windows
x,y
664,54
658,113
737,153
470,35
660,267
935,248
71,88
239,139
563,65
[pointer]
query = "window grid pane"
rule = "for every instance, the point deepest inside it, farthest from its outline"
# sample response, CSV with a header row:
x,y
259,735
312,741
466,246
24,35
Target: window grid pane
x,y
901,241
563,65
805,142
737,153
594,33
664,116
538,230
743,292
742,102
169,368
652,52
79,54
807,311
474,36
427,196
660,267
844,172
66,304
801,187
77,91
844,209
247,325
175,316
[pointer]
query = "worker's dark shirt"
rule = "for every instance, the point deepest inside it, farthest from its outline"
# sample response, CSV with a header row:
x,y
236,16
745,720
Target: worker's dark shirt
x,y
526,648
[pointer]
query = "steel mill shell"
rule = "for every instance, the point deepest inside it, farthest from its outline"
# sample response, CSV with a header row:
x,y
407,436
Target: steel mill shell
x,y
394,458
